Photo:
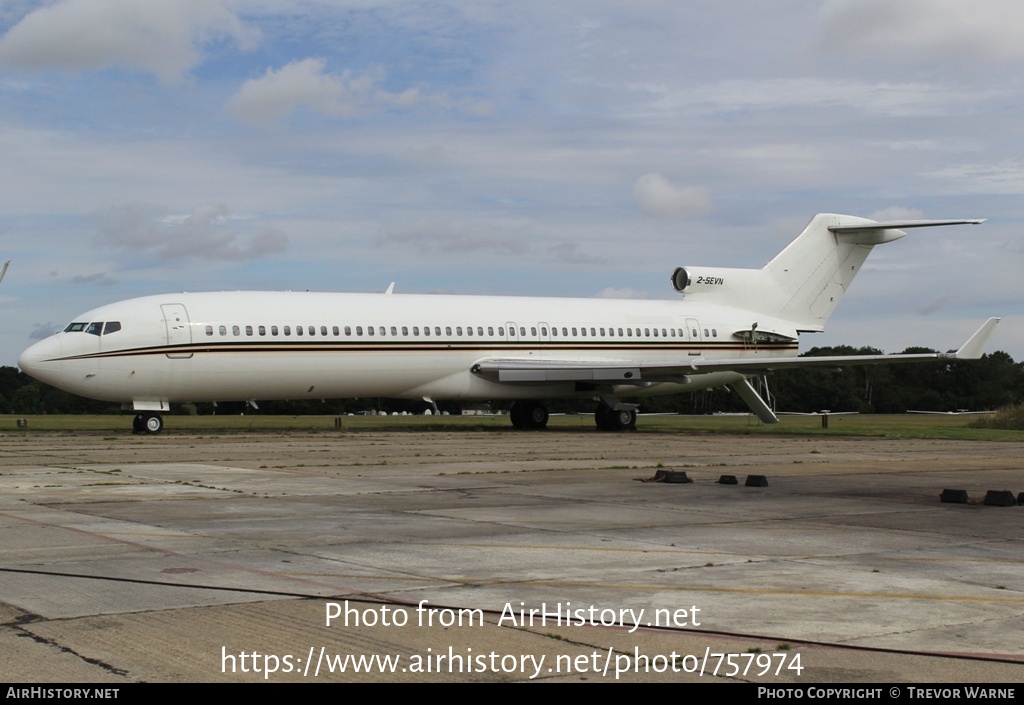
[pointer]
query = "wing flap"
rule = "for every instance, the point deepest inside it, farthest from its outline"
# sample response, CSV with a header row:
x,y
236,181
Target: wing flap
x,y
533,371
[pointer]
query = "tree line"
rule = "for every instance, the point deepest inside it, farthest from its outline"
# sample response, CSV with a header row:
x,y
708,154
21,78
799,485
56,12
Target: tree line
x,y
992,382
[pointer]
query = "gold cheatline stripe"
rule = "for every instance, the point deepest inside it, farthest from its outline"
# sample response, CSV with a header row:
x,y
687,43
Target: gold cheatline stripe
x,y
364,346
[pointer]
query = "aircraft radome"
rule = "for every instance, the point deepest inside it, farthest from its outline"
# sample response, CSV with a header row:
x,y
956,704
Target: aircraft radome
x,y
729,325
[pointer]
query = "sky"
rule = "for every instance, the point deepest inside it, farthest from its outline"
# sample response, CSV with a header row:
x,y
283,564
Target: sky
x,y
571,148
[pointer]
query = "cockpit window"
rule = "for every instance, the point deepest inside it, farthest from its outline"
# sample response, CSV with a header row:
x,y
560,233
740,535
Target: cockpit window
x,y
97,328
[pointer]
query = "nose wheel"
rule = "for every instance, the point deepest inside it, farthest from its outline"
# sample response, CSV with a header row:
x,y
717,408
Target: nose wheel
x,y
149,423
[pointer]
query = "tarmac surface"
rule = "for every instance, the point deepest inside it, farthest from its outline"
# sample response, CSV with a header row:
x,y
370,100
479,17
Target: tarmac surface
x,y
201,557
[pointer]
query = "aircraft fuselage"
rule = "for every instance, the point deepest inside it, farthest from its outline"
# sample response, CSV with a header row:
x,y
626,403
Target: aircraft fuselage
x,y
235,346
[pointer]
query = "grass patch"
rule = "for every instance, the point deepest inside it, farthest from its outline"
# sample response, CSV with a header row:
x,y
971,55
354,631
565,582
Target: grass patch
x,y
1009,418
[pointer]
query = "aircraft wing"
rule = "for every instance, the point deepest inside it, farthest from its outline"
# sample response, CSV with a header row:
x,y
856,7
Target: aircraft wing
x,y
534,370
607,372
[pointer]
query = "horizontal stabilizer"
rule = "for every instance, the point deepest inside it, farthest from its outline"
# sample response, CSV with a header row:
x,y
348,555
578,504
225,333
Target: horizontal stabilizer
x,y
902,225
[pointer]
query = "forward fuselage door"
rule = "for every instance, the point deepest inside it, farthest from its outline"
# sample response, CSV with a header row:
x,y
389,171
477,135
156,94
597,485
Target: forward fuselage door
x,y
179,329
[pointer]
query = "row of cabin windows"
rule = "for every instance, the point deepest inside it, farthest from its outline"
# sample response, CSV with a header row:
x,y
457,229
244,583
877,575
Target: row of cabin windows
x,y
470,331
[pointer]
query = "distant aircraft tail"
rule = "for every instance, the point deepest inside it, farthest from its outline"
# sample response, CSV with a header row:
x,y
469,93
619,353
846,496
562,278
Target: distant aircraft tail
x,y
804,283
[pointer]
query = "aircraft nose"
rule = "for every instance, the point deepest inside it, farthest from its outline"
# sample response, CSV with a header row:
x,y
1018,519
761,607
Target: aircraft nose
x,y
42,360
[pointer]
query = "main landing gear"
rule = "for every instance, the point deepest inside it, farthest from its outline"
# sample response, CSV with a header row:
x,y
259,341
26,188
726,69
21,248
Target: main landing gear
x,y
609,419
533,415
528,415
148,422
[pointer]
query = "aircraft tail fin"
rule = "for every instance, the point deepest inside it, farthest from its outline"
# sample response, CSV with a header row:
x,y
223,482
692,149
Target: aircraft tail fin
x,y
804,283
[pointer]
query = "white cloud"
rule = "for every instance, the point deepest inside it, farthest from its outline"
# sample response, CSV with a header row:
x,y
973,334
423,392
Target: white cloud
x,y
41,331
203,234
658,196
162,37
1005,177
895,98
300,84
97,278
441,235
623,293
987,29
898,213
307,84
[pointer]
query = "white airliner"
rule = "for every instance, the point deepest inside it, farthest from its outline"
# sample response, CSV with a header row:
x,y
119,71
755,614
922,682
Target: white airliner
x,y
729,325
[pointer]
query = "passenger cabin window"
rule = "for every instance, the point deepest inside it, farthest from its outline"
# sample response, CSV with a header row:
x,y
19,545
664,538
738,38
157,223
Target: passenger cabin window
x,y
235,330
223,330
209,330
273,330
